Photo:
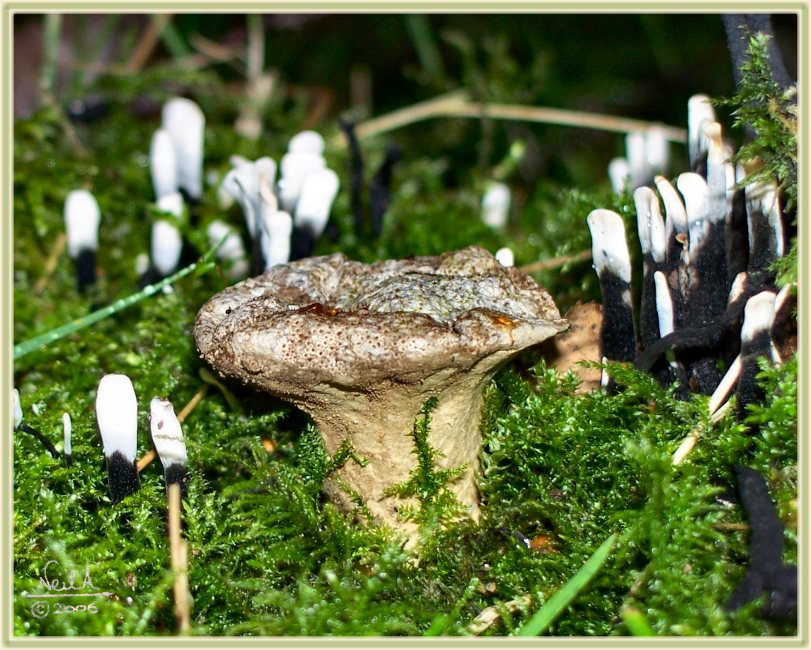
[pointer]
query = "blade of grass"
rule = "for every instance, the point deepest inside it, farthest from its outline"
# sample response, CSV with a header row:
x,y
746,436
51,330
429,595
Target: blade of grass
x,y
57,333
172,39
422,37
636,622
561,599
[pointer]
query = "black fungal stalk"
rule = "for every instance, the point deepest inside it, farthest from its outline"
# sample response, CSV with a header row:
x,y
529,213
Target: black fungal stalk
x,y
356,175
380,192
766,575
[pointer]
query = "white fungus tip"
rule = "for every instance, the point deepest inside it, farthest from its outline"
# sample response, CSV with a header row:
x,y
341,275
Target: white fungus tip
x,y
782,297
117,415
505,256
166,246
605,378
619,173
664,304
307,142
684,449
235,160
67,428
694,189
232,247
171,203
167,433
699,111
675,214
267,199
650,224
18,410
496,205
265,170
715,144
318,191
163,164
185,123
657,149
141,264
240,183
758,315
725,386
294,168
738,287
82,217
636,152
231,250
770,206
276,230
718,173
608,245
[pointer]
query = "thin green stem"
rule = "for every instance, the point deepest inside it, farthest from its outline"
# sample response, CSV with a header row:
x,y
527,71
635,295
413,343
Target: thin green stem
x,y
57,333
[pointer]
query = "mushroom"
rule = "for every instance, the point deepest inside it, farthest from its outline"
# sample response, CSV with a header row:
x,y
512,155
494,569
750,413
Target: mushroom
x,y
361,347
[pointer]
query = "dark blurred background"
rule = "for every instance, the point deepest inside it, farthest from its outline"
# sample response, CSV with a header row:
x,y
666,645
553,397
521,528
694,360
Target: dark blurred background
x,y
638,66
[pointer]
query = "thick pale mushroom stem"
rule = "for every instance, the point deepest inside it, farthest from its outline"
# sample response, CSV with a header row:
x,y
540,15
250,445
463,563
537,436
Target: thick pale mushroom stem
x,y
362,347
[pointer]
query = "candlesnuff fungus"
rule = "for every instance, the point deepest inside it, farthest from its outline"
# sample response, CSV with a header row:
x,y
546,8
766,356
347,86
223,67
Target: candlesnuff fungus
x,y
82,218
167,436
117,417
67,428
361,347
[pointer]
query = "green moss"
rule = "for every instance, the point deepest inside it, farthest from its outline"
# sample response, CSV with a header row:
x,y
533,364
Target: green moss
x,y
426,482
771,112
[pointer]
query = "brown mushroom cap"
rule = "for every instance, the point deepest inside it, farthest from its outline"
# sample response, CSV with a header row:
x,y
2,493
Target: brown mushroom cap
x,y
332,321
361,347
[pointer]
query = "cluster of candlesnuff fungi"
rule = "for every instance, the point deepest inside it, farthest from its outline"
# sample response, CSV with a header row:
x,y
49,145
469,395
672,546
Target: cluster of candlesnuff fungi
x,y
286,218
362,347
117,420
708,294
709,303
305,189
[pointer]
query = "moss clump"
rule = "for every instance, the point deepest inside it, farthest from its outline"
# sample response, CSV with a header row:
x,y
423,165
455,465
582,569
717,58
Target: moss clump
x,y
771,112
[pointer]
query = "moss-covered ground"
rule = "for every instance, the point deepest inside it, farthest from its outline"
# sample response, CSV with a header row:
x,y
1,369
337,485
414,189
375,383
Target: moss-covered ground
x,y
268,555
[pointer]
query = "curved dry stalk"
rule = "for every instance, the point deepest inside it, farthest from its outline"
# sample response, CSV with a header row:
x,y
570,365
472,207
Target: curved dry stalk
x,y
555,262
50,263
178,553
146,44
458,104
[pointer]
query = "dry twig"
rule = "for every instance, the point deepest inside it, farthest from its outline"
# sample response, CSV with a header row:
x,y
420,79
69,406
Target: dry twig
x,y
458,104
489,616
50,263
555,262
146,45
178,549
